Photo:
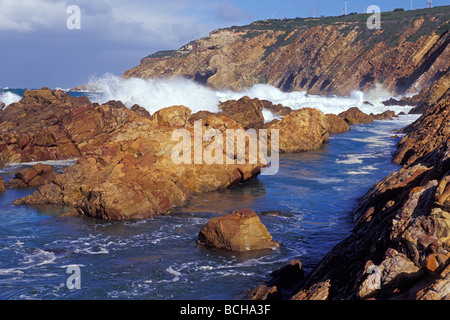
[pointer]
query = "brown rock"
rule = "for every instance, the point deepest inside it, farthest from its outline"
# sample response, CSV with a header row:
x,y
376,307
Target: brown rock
x,y
129,173
355,116
386,115
336,124
33,177
240,230
424,135
245,111
278,110
2,185
302,130
172,117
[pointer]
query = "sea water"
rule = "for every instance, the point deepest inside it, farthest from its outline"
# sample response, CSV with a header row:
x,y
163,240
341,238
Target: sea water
x,y
306,207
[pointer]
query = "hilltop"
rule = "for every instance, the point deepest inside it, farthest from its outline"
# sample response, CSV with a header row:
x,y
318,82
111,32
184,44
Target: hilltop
x,y
329,55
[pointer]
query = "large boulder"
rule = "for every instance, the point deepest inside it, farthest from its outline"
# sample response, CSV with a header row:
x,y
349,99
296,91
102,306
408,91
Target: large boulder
x,y
245,111
302,130
336,124
355,116
241,230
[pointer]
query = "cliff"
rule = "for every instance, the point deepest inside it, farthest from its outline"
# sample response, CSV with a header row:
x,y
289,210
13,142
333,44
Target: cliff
x,y
332,55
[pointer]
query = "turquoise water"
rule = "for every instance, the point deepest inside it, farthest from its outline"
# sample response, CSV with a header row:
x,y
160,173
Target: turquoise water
x,y
306,207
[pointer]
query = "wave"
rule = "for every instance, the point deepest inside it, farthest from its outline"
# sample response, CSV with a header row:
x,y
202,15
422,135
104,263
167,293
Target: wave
x,y
154,94
8,97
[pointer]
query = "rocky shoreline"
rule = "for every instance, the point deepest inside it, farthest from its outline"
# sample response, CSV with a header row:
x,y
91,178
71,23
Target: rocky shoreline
x,y
124,167
399,248
124,171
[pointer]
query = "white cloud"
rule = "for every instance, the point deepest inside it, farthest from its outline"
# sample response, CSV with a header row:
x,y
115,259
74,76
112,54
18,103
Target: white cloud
x,y
29,15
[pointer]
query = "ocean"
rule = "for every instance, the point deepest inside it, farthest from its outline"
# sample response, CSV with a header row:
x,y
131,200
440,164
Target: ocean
x,y
306,207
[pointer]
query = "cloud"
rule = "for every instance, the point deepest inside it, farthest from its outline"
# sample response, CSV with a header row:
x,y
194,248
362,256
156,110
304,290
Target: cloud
x,y
228,12
29,15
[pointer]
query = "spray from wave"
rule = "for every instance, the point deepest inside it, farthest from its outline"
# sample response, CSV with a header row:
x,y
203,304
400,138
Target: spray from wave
x,y
8,97
154,94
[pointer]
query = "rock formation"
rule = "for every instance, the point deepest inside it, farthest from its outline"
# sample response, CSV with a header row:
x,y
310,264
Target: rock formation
x,y
355,116
332,55
399,248
302,130
33,177
241,230
125,168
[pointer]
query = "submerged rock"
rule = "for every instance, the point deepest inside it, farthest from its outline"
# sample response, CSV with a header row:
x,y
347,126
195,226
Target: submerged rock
x,y
241,230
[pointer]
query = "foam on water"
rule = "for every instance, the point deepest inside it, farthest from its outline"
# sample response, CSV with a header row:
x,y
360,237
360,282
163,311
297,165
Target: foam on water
x,y
8,97
154,94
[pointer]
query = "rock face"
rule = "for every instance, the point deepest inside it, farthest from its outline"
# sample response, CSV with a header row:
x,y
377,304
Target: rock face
x,y
336,124
125,168
332,55
33,177
241,230
302,130
51,125
355,116
399,248
246,111
424,135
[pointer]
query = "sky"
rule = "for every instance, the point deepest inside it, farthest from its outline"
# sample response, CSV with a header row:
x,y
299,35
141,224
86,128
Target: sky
x,y
38,49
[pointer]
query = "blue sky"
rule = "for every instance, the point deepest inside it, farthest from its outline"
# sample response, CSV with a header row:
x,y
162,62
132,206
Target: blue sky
x,y
39,50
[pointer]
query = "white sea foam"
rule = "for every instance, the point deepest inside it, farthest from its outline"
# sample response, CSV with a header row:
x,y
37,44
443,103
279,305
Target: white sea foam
x,y
154,94
8,97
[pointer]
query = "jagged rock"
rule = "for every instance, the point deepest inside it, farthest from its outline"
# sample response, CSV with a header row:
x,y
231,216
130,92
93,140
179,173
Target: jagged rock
x,y
241,230
336,124
302,130
278,110
245,111
389,114
355,116
424,135
126,170
35,176
141,111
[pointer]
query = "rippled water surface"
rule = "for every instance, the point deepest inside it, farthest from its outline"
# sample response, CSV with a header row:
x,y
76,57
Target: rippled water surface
x,y
306,207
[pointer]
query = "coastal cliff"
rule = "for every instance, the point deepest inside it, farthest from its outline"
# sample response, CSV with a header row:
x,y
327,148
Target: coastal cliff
x,y
332,55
